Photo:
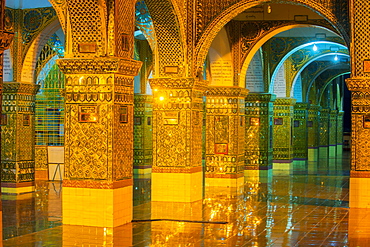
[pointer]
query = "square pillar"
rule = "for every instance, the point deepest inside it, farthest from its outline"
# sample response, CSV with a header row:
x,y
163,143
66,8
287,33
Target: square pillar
x,y
258,133
324,133
177,172
98,141
283,135
340,133
18,138
300,136
225,136
313,132
333,115
143,135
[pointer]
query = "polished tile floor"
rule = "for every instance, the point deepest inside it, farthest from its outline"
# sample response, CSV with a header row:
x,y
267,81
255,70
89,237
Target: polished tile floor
x,y
307,208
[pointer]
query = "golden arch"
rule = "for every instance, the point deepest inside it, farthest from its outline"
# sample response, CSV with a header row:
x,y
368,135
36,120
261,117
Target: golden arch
x,y
227,15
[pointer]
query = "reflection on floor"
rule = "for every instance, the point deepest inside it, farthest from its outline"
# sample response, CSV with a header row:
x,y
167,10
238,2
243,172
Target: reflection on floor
x,y
309,207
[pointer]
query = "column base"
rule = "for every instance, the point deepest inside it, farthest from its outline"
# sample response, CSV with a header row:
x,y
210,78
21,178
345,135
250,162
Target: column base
x,y
41,175
263,176
282,167
339,149
359,193
182,186
90,203
332,151
189,211
234,180
358,227
142,170
17,188
323,152
300,166
99,236
313,154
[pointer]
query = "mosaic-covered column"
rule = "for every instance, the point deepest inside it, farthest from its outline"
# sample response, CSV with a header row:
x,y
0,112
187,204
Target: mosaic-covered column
x,y
98,141
340,133
300,133
18,137
143,141
225,136
283,134
333,115
258,133
177,172
313,132
324,133
359,85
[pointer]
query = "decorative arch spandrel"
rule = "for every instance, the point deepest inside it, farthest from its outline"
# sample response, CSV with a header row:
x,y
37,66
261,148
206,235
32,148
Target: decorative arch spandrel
x,y
215,14
170,45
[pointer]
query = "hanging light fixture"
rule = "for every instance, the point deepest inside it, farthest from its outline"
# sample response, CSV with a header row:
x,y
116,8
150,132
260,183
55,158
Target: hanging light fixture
x,y
336,57
314,48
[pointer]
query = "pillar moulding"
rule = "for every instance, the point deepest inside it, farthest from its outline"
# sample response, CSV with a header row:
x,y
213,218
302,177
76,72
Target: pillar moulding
x,y
258,125
18,137
225,135
98,140
177,172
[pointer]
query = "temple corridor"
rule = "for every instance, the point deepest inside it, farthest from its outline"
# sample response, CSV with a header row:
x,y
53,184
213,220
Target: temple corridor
x,y
310,207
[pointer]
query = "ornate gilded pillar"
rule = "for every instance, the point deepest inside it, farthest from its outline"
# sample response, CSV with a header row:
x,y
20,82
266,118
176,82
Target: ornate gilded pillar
x,y
324,133
18,137
225,136
177,172
359,85
300,133
333,115
98,141
283,134
143,140
313,132
258,133
340,133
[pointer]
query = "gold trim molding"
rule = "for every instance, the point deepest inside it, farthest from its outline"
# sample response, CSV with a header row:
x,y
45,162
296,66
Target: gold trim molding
x,y
227,91
97,184
358,84
177,83
18,87
99,66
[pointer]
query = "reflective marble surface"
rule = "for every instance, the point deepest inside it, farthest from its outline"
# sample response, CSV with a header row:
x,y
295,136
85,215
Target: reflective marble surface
x,y
307,208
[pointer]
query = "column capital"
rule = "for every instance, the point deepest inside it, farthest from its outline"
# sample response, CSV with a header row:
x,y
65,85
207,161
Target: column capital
x,y
178,83
99,65
226,91
19,87
314,107
285,101
358,84
264,97
301,106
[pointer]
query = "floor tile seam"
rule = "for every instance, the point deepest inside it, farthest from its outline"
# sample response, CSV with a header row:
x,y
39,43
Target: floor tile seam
x,y
306,215
272,226
333,228
313,227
